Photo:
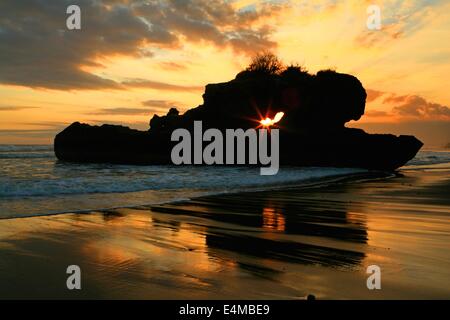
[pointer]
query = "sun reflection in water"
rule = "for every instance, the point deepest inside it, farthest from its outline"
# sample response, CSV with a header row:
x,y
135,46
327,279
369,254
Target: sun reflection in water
x,y
273,219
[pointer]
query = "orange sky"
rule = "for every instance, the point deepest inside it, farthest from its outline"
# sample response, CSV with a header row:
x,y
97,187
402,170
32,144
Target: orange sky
x,y
114,71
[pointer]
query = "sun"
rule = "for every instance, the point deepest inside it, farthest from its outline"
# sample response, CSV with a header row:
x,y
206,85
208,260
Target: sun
x,y
267,122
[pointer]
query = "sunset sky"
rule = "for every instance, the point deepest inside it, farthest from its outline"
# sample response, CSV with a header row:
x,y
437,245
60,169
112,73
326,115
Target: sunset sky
x,y
134,58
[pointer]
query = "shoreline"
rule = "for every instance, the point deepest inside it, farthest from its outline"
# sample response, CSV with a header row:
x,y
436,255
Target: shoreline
x,y
276,244
304,184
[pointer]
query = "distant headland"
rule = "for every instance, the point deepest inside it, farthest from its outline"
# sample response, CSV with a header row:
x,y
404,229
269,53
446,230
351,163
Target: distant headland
x,y
311,111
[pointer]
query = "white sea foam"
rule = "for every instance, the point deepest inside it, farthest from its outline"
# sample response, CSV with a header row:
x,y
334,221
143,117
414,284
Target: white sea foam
x,y
88,179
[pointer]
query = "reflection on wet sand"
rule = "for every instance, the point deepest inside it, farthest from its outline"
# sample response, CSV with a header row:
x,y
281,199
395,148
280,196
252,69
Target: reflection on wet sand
x,y
273,219
268,225
278,244
191,246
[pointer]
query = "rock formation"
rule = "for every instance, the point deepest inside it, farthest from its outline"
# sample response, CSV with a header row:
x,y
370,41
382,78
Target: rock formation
x,y
312,132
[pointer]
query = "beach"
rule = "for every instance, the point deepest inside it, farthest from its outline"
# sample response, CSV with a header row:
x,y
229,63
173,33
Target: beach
x,y
284,243
198,156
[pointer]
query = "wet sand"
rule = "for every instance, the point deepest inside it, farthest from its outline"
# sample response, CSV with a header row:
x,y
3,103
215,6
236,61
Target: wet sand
x,y
282,244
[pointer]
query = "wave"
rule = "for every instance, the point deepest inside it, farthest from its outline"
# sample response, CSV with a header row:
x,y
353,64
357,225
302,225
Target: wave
x,y
26,151
24,148
71,196
36,184
430,158
115,180
28,155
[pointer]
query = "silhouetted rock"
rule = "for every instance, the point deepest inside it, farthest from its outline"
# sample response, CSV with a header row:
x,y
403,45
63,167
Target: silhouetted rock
x,y
311,297
107,143
312,132
159,123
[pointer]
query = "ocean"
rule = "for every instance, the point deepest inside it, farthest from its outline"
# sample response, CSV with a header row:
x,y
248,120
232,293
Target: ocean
x,y
33,182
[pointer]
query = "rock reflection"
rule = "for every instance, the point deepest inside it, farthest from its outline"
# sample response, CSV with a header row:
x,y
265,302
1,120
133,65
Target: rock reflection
x,y
277,226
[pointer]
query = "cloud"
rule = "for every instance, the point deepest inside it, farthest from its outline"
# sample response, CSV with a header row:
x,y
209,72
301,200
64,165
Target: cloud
x,y
394,98
30,132
216,22
252,41
373,95
36,132
173,66
417,107
16,108
399,19
406,107
160,103
143,83
123,111
369,38
376,113
44,124
152,107
36,49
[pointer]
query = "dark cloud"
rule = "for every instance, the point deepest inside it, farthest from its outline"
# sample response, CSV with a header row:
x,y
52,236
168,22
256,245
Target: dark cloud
x,y
407,106
251,40
36,49
418,107
216,22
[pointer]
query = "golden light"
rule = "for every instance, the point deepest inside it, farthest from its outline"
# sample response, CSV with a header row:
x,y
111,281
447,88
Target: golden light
x,y
267,122
273,219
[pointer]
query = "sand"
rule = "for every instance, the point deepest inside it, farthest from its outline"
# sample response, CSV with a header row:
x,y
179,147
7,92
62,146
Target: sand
x,y
282,244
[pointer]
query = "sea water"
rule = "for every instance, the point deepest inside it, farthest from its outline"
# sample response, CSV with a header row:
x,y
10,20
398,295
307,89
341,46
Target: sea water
x,y
34,182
